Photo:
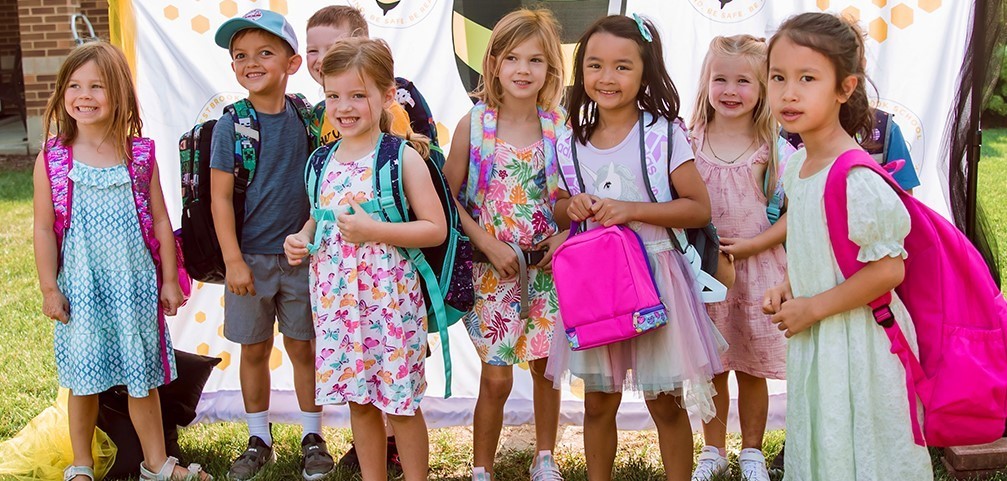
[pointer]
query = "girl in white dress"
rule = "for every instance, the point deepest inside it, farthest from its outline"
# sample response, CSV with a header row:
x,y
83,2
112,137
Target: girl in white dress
x,y
847,416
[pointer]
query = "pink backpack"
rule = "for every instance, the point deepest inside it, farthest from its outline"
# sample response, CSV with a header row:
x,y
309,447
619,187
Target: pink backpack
x,y
605,287
959,315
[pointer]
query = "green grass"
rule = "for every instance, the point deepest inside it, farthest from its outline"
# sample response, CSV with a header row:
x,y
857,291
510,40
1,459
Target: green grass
x,y
28,378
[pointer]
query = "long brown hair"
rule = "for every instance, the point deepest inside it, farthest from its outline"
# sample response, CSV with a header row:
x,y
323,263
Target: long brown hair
x,y
125,122
657,94
513,29
371,59
842,42
754,51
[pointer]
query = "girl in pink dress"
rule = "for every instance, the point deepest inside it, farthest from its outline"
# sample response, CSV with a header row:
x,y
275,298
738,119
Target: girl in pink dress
x,y
733,136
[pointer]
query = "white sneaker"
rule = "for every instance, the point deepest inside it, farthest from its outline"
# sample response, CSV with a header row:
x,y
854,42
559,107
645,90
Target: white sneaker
x,y
480,474
753,465
710,463
544,468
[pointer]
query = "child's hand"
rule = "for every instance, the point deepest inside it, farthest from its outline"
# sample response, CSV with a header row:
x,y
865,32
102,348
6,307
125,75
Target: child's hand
x,y
738,247
775,297
550,245
238,278
503,258
295,246
609,212
55,306
171,298
357,227
580,207
795,316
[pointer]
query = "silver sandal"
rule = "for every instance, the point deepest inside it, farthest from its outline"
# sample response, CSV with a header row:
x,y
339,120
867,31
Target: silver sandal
x,y
168,469
73,471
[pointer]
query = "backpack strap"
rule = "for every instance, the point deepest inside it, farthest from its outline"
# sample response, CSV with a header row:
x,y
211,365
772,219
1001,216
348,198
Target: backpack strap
x,y
775,207
313,171
391,204
837,219
306,113
141,173
246,143
710,289
58,161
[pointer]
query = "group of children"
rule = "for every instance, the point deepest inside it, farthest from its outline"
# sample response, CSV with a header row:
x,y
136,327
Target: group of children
x,y
354,318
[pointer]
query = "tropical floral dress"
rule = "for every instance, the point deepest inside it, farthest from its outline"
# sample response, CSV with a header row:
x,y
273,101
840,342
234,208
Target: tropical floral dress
x,y
367,308
516,209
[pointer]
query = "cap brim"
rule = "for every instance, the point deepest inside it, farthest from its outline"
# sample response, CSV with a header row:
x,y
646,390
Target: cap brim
x,y
227,30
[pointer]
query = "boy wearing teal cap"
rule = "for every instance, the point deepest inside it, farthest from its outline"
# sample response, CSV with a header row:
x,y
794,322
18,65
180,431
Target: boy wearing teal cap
x,y
261,287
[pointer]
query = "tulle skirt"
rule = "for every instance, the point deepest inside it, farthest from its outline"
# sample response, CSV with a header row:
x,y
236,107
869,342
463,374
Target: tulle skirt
x,y
680,358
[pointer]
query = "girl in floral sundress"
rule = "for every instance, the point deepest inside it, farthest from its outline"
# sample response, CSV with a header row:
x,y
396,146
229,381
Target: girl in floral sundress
x,y
734,138
368,308
503,158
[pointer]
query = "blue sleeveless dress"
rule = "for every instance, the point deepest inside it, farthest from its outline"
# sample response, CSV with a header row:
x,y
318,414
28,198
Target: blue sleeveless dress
x,y
109,278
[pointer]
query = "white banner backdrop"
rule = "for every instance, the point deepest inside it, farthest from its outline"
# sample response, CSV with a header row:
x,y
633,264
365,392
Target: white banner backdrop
x,y
915,50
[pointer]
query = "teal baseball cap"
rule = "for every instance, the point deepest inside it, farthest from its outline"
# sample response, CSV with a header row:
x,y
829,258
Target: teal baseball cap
x,y
267,20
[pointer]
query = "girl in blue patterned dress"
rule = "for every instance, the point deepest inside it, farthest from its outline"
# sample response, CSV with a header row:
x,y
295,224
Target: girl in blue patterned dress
x,y
99,275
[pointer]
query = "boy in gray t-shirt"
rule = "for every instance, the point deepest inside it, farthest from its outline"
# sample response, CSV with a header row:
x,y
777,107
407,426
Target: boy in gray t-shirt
x,y
261,286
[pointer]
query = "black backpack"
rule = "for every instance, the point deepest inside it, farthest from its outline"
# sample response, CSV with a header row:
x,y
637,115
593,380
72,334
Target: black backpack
x,y
200,248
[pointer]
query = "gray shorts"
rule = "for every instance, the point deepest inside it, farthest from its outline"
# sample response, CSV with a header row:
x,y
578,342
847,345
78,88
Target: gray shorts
x,y
281,295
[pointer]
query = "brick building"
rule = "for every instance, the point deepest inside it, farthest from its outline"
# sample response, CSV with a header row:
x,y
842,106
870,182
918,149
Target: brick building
x,y
35,38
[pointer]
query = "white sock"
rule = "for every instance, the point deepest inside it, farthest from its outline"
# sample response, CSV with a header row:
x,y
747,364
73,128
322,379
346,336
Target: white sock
x,y
311,423
258,425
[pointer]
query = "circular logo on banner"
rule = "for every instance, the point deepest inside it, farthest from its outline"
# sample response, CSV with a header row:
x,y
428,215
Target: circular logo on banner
x,y
214,107
393,13
472,22
728,11
912,129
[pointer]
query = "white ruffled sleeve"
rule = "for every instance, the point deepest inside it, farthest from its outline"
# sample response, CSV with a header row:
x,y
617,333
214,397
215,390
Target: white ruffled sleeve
x,y
878,221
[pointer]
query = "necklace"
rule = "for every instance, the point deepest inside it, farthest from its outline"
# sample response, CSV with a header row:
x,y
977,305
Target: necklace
x,y
708,142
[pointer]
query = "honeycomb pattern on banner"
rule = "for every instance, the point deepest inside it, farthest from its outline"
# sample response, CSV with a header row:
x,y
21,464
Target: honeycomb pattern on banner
x,y
200,18
880,13
208,322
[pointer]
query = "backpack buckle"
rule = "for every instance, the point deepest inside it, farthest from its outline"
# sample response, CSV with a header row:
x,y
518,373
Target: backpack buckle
x,y
883,316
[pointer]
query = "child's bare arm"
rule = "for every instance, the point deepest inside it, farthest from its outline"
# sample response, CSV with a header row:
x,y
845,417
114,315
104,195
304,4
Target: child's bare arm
x,y
239,275
54,304
429,228
869,283
171,292
742,248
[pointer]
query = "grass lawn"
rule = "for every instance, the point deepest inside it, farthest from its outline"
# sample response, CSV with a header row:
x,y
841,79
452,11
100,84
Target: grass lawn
x,y
28,374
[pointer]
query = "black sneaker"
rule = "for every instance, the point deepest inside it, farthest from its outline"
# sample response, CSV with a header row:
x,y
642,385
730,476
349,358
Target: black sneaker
x,y
251,462
351,462
776,467
316,462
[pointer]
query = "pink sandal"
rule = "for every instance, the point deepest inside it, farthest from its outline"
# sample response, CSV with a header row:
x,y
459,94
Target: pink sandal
x,y
167,472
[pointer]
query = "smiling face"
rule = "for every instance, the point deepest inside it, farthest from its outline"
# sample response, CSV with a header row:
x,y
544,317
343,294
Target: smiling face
x,y
86,97
522,71
734,86
613,71
354,103
320,38
262,62
804,93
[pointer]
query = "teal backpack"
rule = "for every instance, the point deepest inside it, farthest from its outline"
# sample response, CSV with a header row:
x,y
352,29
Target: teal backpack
x,y
446,269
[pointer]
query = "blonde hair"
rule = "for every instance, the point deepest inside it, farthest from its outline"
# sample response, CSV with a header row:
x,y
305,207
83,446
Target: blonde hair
x,y
125,123
372,59
755,51
337,15
512,30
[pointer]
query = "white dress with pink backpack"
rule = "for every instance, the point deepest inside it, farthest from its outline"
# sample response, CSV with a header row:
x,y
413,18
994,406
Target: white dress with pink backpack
x,y
847,415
